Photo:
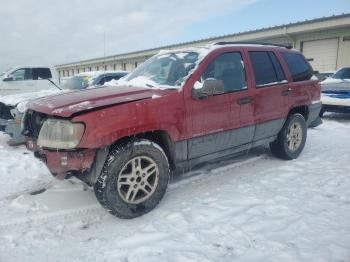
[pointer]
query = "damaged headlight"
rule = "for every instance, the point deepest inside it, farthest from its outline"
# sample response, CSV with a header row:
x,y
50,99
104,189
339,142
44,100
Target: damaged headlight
x,y
22,106
60,134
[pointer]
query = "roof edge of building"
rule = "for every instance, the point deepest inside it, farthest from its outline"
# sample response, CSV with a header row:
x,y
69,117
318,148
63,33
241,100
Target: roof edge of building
x,y
308,21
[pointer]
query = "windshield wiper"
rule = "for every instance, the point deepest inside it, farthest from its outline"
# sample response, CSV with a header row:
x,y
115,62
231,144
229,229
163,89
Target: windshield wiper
x,y
52,82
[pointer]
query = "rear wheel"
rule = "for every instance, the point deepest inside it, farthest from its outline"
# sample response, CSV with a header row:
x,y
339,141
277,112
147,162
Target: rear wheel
x,y
134,179
291,139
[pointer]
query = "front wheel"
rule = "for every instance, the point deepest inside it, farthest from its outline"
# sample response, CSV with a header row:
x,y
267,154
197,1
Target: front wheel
x,y
134,179
291,139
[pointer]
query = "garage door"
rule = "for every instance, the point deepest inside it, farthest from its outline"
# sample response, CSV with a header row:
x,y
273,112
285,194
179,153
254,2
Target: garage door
x,y
322,54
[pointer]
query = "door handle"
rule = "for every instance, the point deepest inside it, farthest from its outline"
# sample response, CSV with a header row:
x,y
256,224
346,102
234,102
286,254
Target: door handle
x,y
287,92
244,100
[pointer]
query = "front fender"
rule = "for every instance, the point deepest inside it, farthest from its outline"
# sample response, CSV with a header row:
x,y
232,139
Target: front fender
x,y
106,126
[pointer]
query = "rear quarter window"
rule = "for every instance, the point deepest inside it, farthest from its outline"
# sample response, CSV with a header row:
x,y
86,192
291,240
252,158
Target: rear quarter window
x,y
298,66
41,73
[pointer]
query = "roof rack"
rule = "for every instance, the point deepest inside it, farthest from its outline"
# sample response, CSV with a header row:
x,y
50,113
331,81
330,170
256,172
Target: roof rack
x,y
288,46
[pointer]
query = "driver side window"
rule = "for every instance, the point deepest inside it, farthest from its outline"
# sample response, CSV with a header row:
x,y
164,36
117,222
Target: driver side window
x,y
229,68
22,74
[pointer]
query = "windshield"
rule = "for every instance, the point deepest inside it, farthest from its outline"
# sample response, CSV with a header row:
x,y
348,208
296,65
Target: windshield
x,y
170,69
343,73
5,72
77,82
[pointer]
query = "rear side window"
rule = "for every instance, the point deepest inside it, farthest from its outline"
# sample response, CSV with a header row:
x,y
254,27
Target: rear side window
x,y
41,73
267,69
298,66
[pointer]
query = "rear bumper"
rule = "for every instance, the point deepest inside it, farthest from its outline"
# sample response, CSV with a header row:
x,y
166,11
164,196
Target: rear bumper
x,y
63,163
336,108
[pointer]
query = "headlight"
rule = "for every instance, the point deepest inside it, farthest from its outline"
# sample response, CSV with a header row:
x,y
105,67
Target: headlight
x,y
22,107
60,134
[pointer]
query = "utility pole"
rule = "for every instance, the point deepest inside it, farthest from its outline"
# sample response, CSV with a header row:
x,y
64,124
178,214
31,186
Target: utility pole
x,y
104,44
104,49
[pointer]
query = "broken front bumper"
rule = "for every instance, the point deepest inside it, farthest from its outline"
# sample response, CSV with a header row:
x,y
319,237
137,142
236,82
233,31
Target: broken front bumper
x,y
12,127
63,163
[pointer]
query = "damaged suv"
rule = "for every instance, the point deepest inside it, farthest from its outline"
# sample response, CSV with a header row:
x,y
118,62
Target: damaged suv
x,y
178,109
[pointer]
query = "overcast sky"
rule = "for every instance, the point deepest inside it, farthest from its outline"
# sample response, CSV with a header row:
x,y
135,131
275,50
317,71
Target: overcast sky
x,y
60,31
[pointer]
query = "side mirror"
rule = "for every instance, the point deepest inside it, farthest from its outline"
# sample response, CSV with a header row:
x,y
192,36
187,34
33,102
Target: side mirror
x,y
210,87
7,78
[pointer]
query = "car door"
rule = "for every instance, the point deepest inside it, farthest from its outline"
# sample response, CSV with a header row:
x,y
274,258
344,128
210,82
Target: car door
x,y
271,86
216,120
18,81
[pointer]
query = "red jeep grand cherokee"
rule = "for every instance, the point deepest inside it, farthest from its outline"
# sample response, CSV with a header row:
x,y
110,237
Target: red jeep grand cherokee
x,y
178,109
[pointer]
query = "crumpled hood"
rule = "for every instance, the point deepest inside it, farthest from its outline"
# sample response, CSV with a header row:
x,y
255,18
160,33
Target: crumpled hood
x,y
67,104
332,84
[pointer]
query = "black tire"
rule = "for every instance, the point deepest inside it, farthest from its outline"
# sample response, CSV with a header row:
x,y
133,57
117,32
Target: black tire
x,y
280,147
108,188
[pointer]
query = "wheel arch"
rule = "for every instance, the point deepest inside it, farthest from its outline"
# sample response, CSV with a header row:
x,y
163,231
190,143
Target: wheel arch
x,y
160,137
303,110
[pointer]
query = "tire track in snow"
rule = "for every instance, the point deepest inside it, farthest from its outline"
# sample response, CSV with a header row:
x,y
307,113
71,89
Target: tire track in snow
x,y
31,190
197,176
82,212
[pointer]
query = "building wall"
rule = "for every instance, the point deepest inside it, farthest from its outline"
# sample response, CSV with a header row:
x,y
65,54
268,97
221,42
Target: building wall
x,y
343,58
295,35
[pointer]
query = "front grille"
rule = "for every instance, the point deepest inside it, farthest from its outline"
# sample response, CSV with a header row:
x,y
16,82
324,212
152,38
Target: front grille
x,y
5,112
33,122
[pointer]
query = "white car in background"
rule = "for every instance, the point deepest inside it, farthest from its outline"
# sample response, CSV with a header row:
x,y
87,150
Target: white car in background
x,y
336,92
28,79
13,106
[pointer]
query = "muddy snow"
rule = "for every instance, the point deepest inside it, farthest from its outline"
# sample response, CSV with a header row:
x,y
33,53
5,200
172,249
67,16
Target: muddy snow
x,y
253,208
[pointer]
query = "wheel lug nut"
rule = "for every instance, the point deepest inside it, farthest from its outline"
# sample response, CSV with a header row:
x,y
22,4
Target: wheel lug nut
x,y
135,186
142,183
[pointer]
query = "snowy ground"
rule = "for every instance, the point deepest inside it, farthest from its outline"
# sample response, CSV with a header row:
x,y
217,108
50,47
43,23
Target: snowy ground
x,y
255,208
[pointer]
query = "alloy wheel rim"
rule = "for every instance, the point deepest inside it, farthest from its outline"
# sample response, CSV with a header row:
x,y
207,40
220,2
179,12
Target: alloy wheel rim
x,y
138,179
294,136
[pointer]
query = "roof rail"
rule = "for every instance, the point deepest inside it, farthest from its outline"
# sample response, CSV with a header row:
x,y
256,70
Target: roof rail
x,y
288,46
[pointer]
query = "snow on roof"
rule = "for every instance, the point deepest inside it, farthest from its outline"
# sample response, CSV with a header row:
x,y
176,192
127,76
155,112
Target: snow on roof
x,y
26,66
204,50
